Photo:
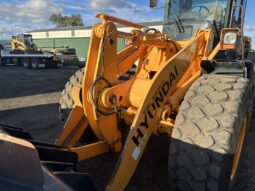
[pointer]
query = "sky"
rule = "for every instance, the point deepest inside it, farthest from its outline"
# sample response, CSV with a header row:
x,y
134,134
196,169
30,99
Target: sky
x,y
18,16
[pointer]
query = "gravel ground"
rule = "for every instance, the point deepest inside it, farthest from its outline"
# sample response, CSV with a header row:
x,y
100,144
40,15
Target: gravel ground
x,y
29,99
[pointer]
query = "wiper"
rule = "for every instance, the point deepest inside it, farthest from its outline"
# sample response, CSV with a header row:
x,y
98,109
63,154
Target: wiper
x,y
178,23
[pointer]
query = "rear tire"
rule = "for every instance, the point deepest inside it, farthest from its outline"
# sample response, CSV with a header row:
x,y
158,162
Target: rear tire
x,y
2,61
66,102
204,139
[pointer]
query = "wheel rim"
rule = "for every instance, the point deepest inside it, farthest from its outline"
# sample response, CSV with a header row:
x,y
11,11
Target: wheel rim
x,y
25,64
34,65
239,146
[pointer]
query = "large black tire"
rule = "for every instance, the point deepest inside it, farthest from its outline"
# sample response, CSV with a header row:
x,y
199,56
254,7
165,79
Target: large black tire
x,y
206,131
19,62
66,102
2,61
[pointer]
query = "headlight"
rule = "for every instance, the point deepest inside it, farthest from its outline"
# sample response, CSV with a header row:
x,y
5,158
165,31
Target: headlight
x,y
230,38
127,42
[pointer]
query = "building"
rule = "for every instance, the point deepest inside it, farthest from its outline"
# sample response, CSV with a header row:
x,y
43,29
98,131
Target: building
x,y
77,37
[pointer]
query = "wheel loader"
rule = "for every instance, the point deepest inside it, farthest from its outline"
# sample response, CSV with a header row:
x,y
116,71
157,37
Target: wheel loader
x,y
192,83
23,43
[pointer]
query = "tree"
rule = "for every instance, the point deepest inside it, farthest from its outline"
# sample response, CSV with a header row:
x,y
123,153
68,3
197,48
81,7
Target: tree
x,y
64,21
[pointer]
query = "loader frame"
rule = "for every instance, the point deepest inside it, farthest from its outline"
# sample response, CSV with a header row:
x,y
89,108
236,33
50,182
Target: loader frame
x,y
148,101
149,98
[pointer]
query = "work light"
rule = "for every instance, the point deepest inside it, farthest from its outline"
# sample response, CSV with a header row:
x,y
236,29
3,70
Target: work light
x,y
230,38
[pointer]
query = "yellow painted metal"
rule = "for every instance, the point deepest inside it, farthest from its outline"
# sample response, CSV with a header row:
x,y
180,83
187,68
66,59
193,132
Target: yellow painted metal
x,y
73,129
164,126
127,57
118,92
76,95
129,114
239,146
101,67
18,45
165,71
91,150
147,116
106,18
130,92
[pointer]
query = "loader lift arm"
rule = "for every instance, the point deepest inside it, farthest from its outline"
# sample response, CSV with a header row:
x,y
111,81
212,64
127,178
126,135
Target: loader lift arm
x,y
149,101
164,73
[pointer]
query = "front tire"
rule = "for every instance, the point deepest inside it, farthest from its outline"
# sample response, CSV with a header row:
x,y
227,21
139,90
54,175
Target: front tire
x,y
2,61
66,102
209,134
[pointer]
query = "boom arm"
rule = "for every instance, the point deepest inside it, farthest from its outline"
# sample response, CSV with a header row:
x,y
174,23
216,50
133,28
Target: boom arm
x,y
165,71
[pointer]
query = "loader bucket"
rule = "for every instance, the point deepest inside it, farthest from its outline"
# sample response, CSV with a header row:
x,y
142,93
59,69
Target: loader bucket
x,y
26,164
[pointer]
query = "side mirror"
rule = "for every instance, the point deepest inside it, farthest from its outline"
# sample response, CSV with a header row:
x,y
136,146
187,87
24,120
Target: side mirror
x,y
153,3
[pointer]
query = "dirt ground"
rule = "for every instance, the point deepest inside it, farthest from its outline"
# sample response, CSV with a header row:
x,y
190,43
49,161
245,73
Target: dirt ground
x,y
29,99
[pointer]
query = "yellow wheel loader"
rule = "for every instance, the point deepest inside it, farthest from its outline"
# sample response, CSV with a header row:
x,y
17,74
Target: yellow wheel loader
x,y
23,43
192,83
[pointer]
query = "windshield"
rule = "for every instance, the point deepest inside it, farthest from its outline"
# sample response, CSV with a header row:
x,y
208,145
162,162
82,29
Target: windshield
x,y
28,39
184,17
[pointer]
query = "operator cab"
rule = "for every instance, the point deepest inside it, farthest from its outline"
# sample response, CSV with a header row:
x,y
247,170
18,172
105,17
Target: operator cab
x,y
184,17
27,39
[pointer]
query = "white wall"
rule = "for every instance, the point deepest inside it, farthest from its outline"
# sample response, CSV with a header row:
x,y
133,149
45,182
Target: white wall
x,y
37,35
78,33
82,33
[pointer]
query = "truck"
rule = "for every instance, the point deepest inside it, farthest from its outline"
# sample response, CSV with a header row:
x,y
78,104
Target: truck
x,y
24,52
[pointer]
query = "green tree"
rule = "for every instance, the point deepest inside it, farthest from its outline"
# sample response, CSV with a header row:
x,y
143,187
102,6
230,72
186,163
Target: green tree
x,y
64,21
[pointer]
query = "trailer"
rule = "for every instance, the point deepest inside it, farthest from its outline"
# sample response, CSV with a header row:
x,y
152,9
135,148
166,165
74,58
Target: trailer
x,y
24,53
63,54
29,61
